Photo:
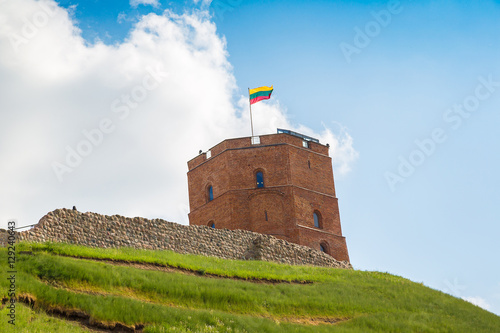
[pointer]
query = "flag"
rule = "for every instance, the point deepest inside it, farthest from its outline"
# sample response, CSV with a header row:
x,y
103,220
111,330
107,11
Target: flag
x,y
259,94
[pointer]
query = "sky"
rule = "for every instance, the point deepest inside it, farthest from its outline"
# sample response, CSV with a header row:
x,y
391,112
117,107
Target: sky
x,y
102,103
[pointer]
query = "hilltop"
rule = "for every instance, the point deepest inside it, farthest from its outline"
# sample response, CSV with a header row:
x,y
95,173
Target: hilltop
x,y
128,289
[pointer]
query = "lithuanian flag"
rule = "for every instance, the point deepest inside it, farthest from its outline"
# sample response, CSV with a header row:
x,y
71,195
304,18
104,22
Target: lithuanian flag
x,y
259,94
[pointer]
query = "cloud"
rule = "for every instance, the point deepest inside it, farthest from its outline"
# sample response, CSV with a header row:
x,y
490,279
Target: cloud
x,y
203,2
111,128
122,17
481,302
135,3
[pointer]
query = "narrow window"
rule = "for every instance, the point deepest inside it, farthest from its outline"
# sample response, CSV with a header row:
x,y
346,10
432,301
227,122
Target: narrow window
x,y
309,164
210,194
317,220
260,179
265,214
322,248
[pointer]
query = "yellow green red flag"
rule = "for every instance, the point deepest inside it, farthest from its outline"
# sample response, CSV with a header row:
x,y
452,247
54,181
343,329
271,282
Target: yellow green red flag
x,y
259,94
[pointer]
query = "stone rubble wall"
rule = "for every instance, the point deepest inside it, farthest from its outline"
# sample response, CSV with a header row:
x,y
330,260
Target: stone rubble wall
x,y
95,230
4,236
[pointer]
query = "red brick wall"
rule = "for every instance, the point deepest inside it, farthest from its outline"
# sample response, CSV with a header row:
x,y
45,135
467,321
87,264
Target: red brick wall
x,y
214,173
312,171
298,181
307,202
218,211
278,203
336,245
246,209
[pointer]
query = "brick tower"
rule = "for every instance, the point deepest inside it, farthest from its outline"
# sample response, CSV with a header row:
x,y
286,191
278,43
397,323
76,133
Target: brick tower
x,y
279,184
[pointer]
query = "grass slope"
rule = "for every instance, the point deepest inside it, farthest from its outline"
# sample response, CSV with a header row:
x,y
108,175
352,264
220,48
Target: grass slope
x,y
231,295
30,321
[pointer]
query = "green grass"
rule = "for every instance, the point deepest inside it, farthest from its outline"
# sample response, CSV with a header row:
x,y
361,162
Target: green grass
x,y
177,302
35,321
210,265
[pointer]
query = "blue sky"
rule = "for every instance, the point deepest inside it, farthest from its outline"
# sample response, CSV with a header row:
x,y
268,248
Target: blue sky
x,y
412,114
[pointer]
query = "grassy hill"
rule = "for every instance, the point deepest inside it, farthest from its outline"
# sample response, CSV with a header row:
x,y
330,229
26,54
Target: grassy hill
x,y
68,288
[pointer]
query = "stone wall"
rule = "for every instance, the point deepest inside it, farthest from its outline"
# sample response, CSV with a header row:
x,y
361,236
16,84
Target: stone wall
x,y
91,229
4,235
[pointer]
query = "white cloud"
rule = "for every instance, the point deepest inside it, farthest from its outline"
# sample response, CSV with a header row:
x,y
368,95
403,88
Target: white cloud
x,y
203,2
55,88
122,17
481,302
135,3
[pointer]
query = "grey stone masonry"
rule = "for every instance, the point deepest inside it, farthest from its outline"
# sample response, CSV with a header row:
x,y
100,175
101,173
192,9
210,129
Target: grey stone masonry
x,y
95,230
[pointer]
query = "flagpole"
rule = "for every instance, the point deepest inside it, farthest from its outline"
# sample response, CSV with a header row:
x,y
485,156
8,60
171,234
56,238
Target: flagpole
x,y
251,118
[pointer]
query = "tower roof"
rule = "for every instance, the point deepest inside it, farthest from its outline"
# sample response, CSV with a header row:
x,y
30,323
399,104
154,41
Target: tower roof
x,y
282,137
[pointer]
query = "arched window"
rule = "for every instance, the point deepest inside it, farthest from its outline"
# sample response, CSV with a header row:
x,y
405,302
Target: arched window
x,y
210,193
211,224
259,177
317,219
323,247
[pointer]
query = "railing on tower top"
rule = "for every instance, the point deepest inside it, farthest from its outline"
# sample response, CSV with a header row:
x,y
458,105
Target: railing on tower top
x,y
302,136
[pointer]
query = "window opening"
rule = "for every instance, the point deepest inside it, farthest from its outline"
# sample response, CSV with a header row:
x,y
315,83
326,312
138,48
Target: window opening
x,y
210,193
317,220
260,179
